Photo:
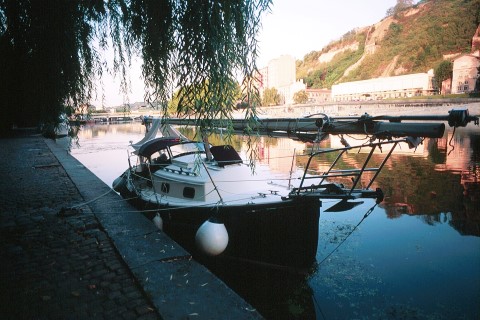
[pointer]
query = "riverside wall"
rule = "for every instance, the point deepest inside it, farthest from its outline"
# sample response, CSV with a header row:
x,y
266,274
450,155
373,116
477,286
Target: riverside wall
x,y
381,107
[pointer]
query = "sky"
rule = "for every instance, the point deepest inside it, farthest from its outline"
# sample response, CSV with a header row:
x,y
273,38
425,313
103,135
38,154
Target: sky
x,y
294,27
301,26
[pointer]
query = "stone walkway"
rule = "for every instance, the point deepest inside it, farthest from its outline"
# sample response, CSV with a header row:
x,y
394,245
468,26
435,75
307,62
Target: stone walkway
x,y
70,248
56,264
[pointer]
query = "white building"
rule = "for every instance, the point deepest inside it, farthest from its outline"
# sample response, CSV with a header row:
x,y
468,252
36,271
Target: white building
x,y
281,72
465,73
281,75
408,85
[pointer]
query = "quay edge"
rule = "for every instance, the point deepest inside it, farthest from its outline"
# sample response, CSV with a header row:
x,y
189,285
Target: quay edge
x,y
178,286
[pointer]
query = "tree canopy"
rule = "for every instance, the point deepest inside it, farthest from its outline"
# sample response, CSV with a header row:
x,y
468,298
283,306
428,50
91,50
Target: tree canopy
x,y
442,72
400,6
300,97
52,51
271,97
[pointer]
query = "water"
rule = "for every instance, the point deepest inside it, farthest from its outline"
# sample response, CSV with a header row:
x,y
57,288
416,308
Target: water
x,y
416,256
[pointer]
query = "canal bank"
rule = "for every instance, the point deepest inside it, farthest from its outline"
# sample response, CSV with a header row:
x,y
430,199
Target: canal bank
x,y
72,248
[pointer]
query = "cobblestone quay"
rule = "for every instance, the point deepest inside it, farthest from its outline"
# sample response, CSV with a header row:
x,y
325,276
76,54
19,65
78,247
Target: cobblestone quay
x,y
64,259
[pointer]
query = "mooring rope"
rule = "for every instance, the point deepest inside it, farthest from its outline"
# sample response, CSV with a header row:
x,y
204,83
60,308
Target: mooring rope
x,y
93,200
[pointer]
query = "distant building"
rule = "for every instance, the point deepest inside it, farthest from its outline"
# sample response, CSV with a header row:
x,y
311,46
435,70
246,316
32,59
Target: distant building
x,y
446,86
403,86
281,75
318,95
263,79
281,72
289,91
465,73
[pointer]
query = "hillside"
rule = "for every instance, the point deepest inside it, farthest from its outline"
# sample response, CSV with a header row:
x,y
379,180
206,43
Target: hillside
x,y
412,40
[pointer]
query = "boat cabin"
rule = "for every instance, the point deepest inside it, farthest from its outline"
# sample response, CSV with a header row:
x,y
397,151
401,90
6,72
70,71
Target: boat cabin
x,y
175,166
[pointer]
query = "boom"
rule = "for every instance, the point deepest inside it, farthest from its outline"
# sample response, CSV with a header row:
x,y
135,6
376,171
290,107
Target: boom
x,y
382,127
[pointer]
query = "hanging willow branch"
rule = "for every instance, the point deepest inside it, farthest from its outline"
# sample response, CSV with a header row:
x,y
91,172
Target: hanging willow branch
x,y
197,48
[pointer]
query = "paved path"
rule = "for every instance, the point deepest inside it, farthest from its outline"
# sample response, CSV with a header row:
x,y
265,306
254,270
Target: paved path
x,y
85,262
56,266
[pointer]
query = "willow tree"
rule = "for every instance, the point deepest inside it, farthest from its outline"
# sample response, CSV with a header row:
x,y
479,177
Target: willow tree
x,y
51,54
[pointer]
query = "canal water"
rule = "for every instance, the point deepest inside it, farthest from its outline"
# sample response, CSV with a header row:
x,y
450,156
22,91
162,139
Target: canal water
x,y
415,256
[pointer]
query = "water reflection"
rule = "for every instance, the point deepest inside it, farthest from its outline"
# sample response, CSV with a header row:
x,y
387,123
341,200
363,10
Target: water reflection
x,y
438,179
416,256
442,191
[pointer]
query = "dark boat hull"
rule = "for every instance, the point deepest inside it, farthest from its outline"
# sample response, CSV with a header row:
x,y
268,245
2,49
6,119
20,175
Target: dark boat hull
x,y
282,234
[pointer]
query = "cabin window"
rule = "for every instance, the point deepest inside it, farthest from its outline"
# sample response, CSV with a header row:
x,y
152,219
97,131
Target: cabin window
x,y
159,158
165,188
189,192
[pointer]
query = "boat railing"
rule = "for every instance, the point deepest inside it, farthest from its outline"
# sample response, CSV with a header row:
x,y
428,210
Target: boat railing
x,y
326,187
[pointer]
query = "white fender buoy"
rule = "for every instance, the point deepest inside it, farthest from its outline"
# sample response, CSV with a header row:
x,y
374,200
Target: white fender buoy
x,y
212,237
157,220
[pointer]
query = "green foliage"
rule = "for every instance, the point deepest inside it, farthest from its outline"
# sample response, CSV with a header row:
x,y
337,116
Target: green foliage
x,y
393,31
51,53
185,101
327,74
300,97
46,58
442,72
271,97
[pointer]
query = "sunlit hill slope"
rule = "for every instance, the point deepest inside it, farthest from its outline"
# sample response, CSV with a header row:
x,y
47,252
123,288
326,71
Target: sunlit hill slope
x,y
411,40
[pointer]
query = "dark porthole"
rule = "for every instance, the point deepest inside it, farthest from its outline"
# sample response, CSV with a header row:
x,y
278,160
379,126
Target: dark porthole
x,y
165,187
189,192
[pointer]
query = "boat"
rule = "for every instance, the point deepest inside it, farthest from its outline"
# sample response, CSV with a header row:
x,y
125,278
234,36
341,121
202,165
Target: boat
x,y
207,199
63,127
119,119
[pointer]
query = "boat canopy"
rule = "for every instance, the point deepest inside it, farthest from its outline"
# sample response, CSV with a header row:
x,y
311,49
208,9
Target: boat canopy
x,y
225,155
152,146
